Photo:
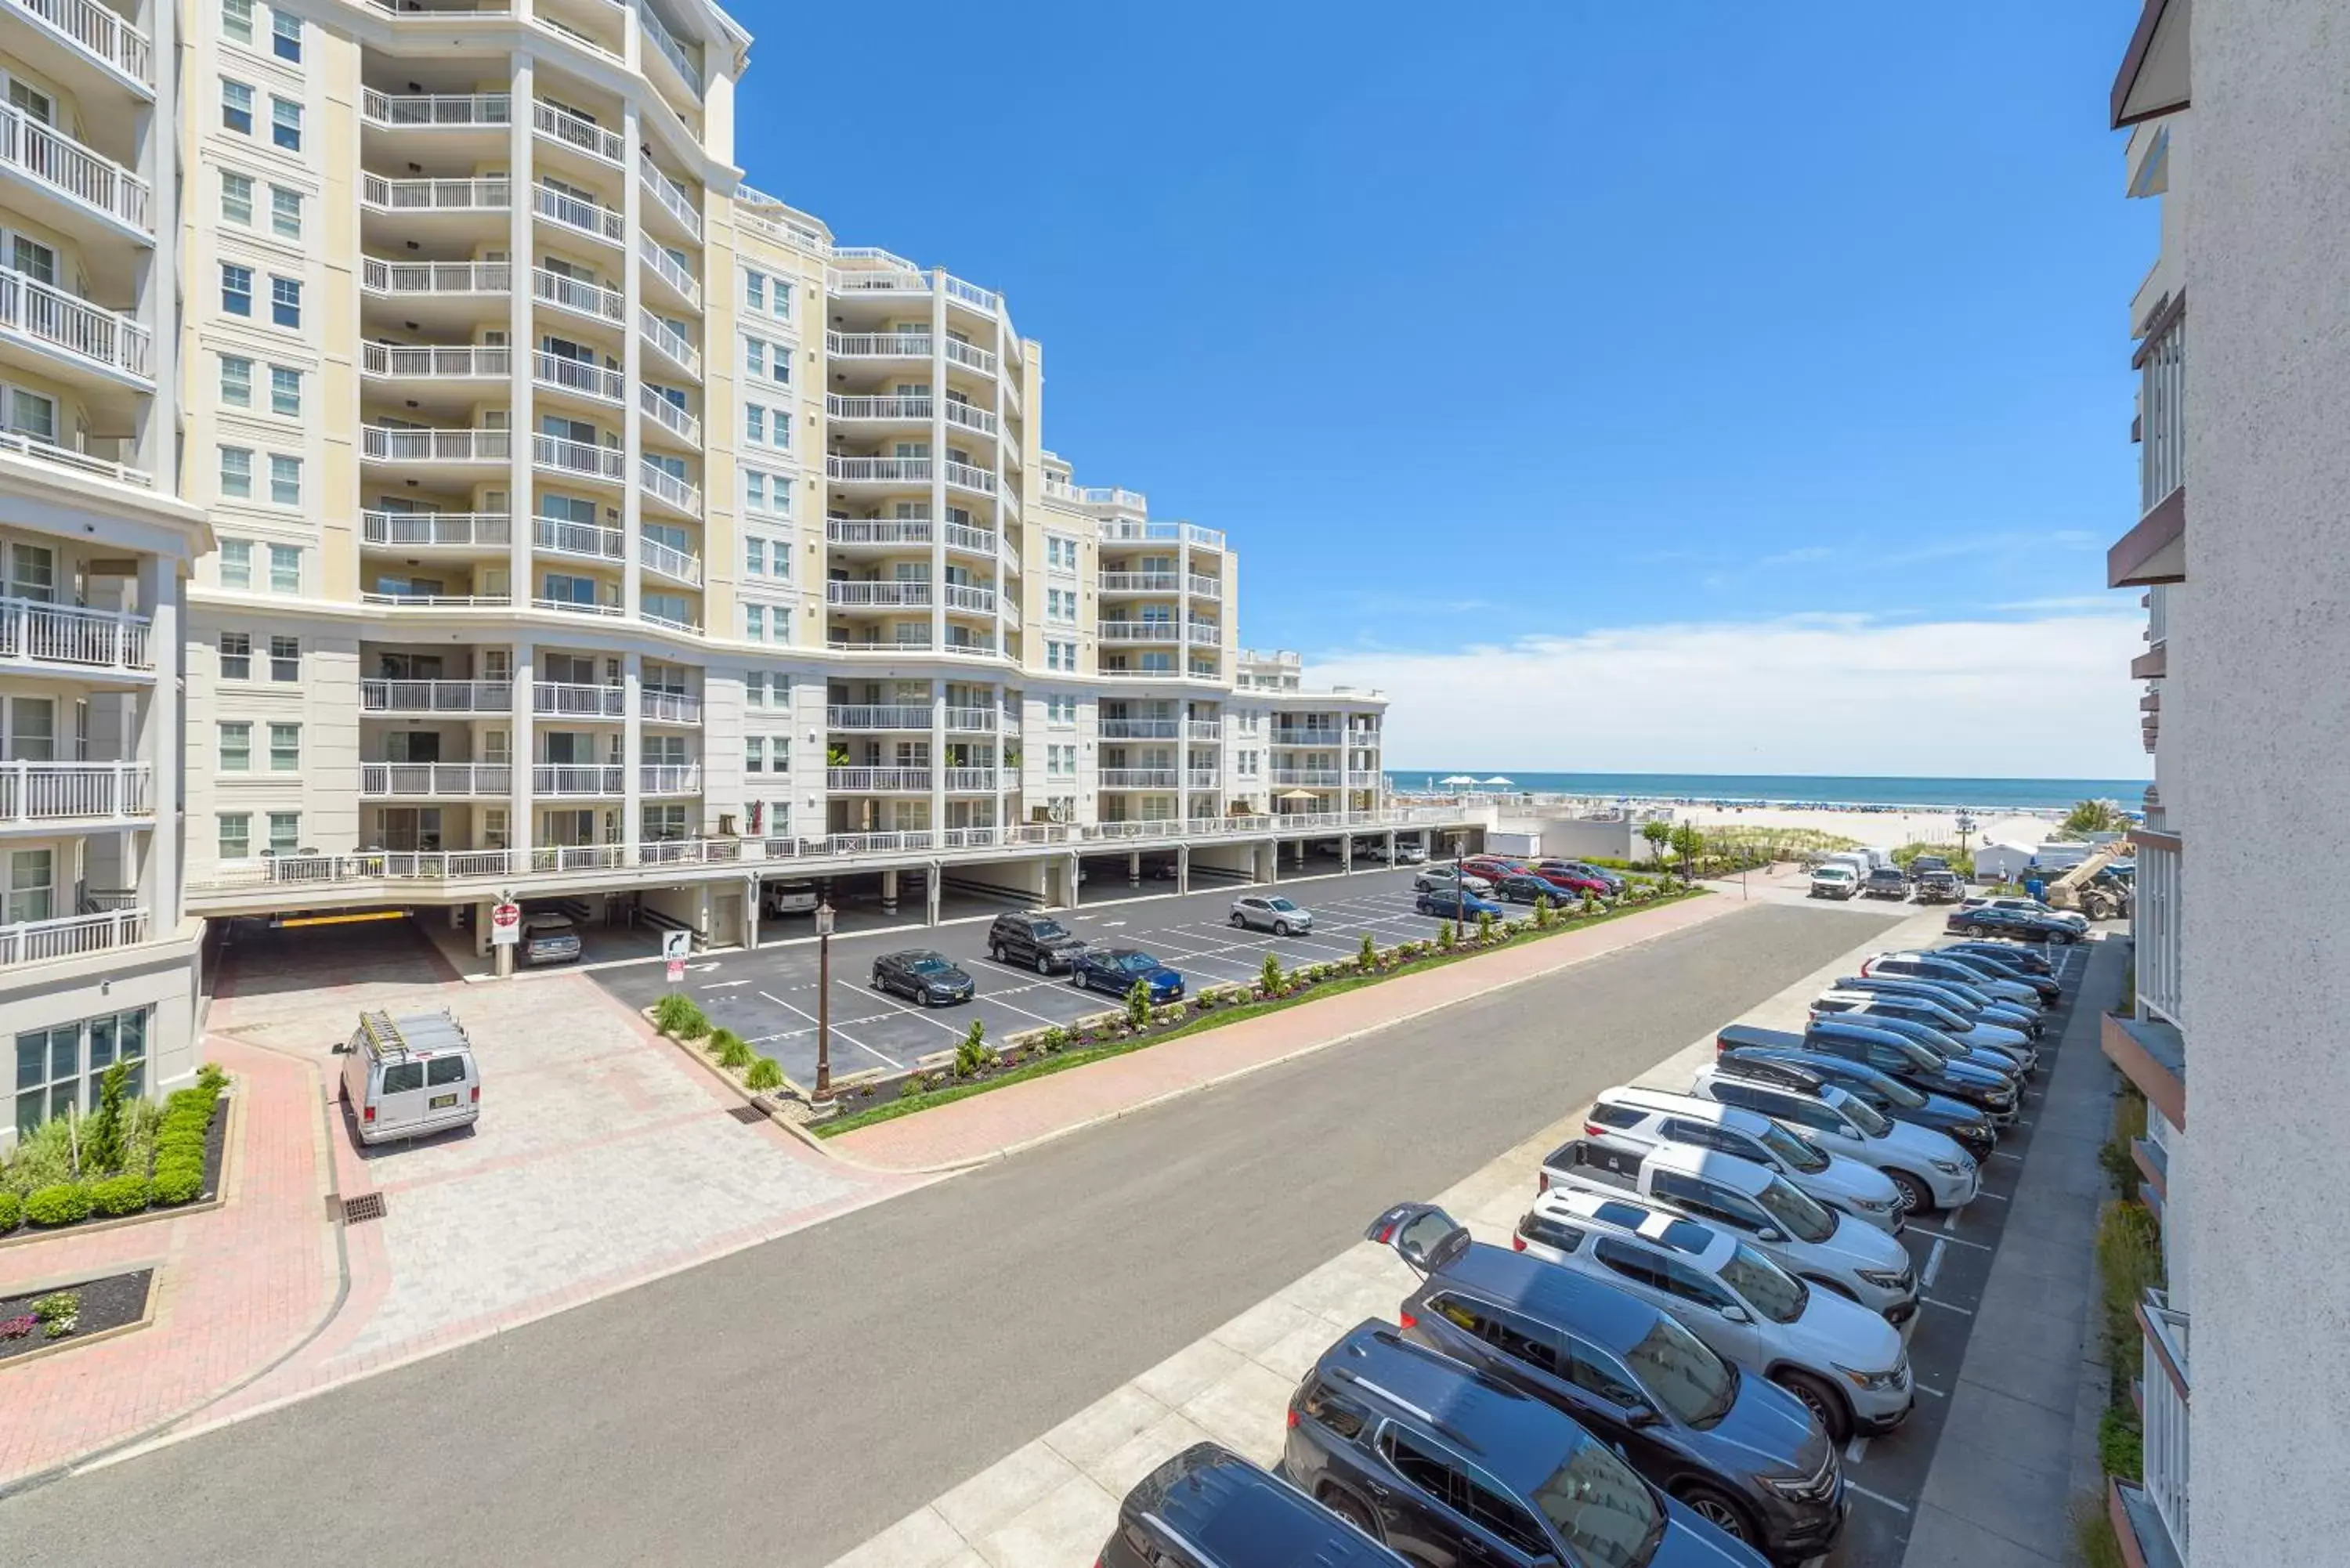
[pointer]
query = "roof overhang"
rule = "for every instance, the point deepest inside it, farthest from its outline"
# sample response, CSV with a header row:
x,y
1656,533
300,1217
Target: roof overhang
x,y
2152,82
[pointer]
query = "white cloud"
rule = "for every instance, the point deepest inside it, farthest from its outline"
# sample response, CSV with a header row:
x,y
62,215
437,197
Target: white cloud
x,y
2049,697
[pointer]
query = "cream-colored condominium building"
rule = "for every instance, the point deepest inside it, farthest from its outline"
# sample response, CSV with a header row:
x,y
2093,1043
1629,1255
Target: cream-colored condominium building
x,y
2239,547
95,964
587,524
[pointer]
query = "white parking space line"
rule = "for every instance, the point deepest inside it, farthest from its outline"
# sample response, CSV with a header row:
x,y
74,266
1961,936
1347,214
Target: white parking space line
x,y
1933,1268
1928,1389
724,984
1855,1450
1945,1306
997,998
837,1029
883,997
1941,1236
1852,1486
1994,1197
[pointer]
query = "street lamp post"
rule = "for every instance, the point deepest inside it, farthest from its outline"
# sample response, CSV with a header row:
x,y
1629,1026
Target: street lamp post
x,y
824,1001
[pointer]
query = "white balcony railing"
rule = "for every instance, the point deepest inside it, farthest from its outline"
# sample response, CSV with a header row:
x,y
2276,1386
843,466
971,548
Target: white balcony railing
x,y
490,195
903,278
436,696
1140,631
1116,729
878,780
71,936
669,489
63,792
1203,634
669,778
423,362
1201,588
586,541
978,541
899,409
669,707
96,31
422,529
878,345
609,607
71,169
970,416
379,276
577,779
670,342
436,601
976,601
2167,1470
963,647
604,383
55,320
1308,778
878,716
1203,729
443,110
678,566
962,353
421,781
65,637
579,215
668,269
972,721
578,457
669,416
577,700
669,196
578,294
574,129
879,531
883,594
877,470
985,301
665,43
1137,778
965,476
386,444
970,781
1139,582
2162,415
1200,778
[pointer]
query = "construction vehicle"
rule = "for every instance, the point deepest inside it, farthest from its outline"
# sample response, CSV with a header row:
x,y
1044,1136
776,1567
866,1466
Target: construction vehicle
x,y
2090,888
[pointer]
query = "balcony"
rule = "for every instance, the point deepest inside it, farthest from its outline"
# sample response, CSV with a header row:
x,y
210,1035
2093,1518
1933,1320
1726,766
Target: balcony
x,y
669,778
884,595
39,638
577,131
580,377
580,216
669,707
1140,729
1203,729
577,700
421,603
1137,778
672,273
879,409
95,33
970,781
467,110
877,470
71,936
670,200
92,185
878,533
972,721
577,295
967,416
452,280
963,476
660,485
581,541
437,530
2152,1055
898,644
667,48
1201,588
1204,634
412,197
878,716
669,416
669,343
578,458
435,781
878,345
415,362
85,336
878,781
895,276
1140,582
2155,551
970,646
1307,736
409,698
1200,778
1159,631
969,600
961,353
1308,778
580,780
37,793
382,443
669,561
973,541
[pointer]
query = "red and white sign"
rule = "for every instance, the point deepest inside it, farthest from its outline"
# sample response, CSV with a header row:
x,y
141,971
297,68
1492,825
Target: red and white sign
x,y
505,924
676,970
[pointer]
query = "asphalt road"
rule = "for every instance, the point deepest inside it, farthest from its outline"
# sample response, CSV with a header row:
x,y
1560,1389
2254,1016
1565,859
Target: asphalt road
x,y
769,997
783,1404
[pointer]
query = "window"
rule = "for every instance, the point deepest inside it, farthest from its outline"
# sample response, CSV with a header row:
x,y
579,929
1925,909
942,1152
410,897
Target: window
x,y
754,690
767,493
1441,1479
754,423
1617,1117
237,20
285,123
285,569
236,563
754,290
1693,1286
755,623
1060,656
1596,1373
1060,552
32,886
755,755
284,479
236,656
236,107
285,831
236,473
285,392
1505,1331
59,1069
284,748
286,35
768,361
1632,1262
1060,709
235,746
235,381
236,199
1060,605
755,558
237,289
285,213
285,301
403,1077
286,658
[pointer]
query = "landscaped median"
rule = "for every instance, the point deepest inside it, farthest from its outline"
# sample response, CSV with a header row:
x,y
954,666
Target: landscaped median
x,y
116,1163
978,1065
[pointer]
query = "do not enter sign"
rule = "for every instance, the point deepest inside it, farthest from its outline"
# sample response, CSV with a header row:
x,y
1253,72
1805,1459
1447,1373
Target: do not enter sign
x,y
505,924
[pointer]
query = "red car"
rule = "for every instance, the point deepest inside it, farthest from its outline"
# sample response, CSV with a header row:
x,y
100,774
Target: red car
x,y
1582,882
1492,868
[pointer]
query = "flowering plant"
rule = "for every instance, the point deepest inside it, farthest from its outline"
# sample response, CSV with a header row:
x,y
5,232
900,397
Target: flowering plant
x,y
18,1327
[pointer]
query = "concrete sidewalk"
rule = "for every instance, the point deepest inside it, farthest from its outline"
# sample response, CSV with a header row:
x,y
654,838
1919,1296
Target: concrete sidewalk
x,y
983,1126
2020,1443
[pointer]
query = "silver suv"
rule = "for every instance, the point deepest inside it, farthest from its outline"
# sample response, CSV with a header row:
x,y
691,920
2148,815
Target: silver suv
x,y
1270,913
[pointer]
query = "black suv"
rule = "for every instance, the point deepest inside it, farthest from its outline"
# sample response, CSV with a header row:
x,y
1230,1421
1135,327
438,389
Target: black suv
x,y
1746,1455
1449,1467
1039,941
1209,1508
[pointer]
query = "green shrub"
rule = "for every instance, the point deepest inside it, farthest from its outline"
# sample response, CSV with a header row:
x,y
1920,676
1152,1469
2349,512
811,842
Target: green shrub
x,y
62,1204
119,1195
2121,1446
1444,936
178,1164
1269,976
734,1053
101,1146
12,1212
1054,1039
44,1157
2129,1263
1369,958
676,1014
177,1184
1138,1006
971,1055
1543,908
182,1140
765,1073
56,1306
211,1077
2092,1536
1485,925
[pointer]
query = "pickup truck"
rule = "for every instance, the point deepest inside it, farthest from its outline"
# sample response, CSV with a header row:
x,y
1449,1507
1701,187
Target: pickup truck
x,y
1810,1240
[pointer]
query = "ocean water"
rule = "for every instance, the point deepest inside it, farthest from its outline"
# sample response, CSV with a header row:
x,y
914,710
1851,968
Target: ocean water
x,y
1798,789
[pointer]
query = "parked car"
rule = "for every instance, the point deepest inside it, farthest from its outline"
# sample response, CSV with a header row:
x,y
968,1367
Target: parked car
x,y
2015,1061
1740,1452
1807,1072
1939,888
1581,878
1409,855
1457,906
1846,1363
1918,964
1884,882
409,1076
1611,881
2031,960
1440,880
549,937
778,899
1115,971
1039,941
1993,968
2073,918
1492,868
1929,1072
1928,1169
1639,1119
1834,882
1209,1508
1878,1005
921,976
1987,922
1452,1468
1808,1239
1924,865
1526,888
1270,913
1958,997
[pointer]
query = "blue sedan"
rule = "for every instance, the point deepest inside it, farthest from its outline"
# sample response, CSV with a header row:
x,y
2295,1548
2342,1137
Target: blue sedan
x,y
1115,970
1450,906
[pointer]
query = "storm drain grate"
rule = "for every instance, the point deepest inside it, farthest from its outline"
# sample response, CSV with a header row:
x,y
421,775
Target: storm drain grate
x,y
365,1206
749,1115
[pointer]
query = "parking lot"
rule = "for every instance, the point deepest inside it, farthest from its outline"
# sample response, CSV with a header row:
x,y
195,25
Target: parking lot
x,y
770,997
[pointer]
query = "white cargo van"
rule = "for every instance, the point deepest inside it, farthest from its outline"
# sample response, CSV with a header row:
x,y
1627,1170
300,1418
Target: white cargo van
x,y
410,1077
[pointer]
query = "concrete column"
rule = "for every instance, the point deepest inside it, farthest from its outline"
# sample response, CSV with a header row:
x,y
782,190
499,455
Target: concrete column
x,y
632,436
1069,876
890,892
937,379
1183,868
157,743
931,915
1134,868
750,914
481,927
154,150
1346,852
632,723
938,697
521,419
1269,857
520,822
1392,846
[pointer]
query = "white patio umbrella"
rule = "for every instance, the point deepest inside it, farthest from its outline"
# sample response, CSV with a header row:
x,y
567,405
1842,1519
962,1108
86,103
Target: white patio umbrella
x,y
1456,781
1497,779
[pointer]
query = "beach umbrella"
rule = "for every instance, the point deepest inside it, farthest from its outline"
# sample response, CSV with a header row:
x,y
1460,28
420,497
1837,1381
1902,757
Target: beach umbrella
x,y
1457,780
1497,779
1295,795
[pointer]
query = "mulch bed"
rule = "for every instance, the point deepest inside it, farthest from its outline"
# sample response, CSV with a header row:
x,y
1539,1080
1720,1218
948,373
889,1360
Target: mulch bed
x,y
109,1303
216,1160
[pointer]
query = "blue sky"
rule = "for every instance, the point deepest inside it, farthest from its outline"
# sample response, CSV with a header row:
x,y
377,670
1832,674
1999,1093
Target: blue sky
x,y
1571,321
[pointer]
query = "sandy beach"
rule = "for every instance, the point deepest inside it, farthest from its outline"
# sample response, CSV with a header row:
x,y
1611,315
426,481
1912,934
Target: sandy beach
x,y
1883,829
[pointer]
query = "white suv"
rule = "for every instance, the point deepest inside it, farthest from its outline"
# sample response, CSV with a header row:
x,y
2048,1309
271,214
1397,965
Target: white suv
x,y
1638,1120
1843,1361
1927,1169
1270,913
